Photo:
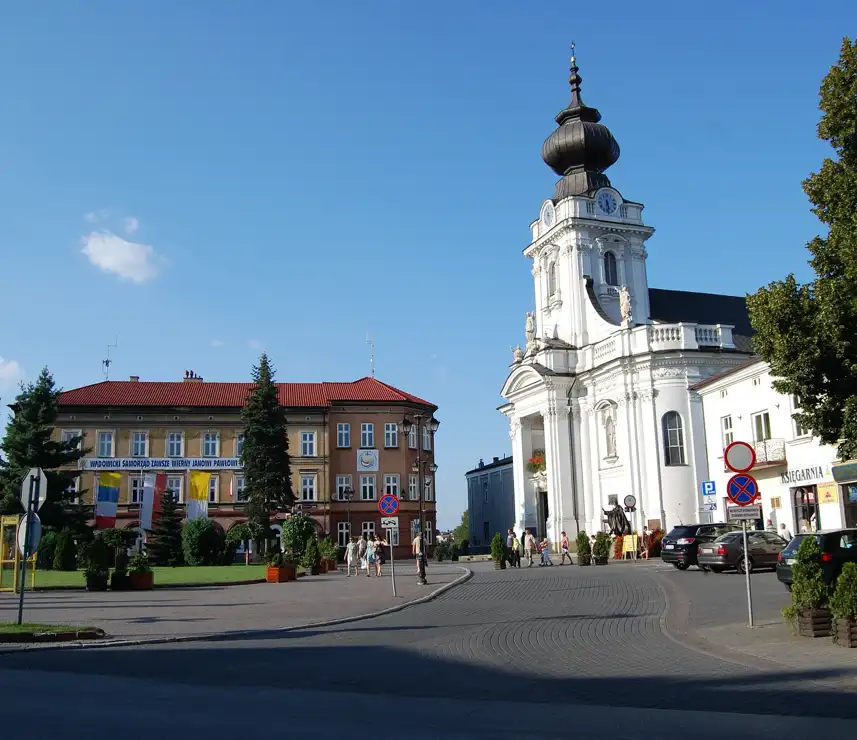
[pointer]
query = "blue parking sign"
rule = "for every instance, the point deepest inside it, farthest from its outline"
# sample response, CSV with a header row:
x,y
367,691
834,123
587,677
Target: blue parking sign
x,y
708,488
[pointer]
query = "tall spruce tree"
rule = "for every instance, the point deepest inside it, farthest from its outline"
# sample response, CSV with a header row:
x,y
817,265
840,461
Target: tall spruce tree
x,y
265,457
807,332
165,545
28,444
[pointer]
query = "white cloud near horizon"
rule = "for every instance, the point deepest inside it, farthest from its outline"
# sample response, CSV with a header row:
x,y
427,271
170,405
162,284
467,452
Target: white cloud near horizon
x,y
218,343
131,224
11,373
129,260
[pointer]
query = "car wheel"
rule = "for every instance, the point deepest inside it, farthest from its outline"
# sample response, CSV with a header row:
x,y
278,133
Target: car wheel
x,y
681,565
744,565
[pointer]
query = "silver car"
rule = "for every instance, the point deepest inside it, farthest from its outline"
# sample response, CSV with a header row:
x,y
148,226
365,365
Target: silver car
x,y
727,552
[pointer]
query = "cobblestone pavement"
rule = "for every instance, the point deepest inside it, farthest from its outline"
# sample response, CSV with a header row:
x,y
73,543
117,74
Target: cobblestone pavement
x,y
178,612
580,639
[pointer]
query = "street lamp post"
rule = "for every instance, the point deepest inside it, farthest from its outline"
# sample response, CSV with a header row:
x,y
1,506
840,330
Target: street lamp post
x,y
420,423
348,492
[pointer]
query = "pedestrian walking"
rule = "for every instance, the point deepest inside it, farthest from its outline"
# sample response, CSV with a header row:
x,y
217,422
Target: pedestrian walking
x,y
546,552
645,543
362,552
529,547
351,557
516,551
563,548
510,542
784,532
378,549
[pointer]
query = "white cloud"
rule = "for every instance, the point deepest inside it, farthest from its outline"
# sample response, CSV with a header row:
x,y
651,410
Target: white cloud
x,y
10,373
129,260
217,343
131,224
95,216
255,343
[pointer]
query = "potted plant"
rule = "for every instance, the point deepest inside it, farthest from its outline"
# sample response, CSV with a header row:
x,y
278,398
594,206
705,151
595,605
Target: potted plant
x,y
584,549
808,610
329,554
140,572
119,579
280,568
601,548
97,565
843,607
312,557
498,552
537,463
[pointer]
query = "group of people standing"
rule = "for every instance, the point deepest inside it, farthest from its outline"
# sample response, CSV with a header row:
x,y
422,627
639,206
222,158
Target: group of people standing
x,y
363,553
532,547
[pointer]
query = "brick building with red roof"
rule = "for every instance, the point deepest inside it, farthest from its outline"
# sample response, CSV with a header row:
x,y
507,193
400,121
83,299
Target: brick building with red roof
x,y
344,440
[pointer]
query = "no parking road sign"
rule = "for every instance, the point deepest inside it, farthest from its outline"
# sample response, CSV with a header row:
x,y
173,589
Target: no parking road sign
x,y
742,489
388,504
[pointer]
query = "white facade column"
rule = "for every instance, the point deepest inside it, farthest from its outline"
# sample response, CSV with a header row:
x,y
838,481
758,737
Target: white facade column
x,y
592,431
632,435
584,467
559,470
541,301
641,473
521,452
654,498
695,446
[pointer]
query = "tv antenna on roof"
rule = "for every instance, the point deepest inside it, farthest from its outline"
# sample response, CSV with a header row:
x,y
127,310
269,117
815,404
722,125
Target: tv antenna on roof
x,y
371,344
107,362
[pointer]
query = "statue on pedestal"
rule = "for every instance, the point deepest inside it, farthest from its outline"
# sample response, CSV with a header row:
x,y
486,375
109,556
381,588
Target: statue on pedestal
x,y
625,304
517,354
617,520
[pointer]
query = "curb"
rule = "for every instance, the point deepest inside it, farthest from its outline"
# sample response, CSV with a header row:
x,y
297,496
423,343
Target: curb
x,y
87,633
156,587
223,636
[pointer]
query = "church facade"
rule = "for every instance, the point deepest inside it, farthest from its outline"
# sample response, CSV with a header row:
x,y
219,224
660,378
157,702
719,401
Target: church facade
x,y
599,399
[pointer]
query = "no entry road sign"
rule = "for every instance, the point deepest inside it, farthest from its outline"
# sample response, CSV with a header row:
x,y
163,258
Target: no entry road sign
x,y
388,504
739,457
742,489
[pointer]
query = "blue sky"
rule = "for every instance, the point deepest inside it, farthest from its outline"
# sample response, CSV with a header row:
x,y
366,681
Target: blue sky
x,y
289,176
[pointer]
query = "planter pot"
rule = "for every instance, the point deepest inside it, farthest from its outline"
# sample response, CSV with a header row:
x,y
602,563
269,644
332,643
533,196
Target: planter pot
x,y
332,566
814,623
142,581
283,574
601,560
499,565
322,566
845,633
120,582
96,581
314,570
584,560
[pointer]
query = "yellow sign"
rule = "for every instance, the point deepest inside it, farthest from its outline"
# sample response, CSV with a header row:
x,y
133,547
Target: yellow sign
x,y
828,493
629,543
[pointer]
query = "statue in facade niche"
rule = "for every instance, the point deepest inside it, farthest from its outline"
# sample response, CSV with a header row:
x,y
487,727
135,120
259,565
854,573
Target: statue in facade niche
x,y
617,520
517,354
610,435
625,304
530,328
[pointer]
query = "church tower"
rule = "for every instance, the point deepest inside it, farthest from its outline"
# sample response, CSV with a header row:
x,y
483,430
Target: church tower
x,y
589,259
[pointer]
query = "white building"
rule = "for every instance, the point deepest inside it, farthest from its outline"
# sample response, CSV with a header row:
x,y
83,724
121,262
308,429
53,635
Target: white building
x,y
603,383
796,474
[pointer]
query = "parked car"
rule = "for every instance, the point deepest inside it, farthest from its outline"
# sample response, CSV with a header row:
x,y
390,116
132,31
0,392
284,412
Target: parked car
x,y
681,545
727,552
838,546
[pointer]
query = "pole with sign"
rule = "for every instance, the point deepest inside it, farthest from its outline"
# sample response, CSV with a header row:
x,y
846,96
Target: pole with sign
x,y
34,491
742,490
390,524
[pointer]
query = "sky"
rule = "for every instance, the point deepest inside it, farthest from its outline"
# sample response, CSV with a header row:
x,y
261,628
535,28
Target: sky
x,y
198,182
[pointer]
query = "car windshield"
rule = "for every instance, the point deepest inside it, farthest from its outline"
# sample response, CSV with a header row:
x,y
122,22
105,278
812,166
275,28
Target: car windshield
x,y
729,537
679,532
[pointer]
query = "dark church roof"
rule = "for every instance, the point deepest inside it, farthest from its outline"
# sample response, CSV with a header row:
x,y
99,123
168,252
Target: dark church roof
x,y
672,306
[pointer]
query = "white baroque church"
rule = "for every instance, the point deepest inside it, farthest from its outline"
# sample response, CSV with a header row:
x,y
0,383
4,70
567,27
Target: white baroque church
x,y
602,387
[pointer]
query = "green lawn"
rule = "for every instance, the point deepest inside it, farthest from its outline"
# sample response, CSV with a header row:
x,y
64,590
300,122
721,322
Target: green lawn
x,y
185,576
8,628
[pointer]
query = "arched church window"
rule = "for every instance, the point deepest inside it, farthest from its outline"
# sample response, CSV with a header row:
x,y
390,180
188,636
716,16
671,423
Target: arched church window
x,y
673,439
552,279
611,274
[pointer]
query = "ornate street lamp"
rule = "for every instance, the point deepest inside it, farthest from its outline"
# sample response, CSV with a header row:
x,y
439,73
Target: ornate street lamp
x,y
421,422
348,493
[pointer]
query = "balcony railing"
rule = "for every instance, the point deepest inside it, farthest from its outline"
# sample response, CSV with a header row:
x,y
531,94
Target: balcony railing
x,y
770,452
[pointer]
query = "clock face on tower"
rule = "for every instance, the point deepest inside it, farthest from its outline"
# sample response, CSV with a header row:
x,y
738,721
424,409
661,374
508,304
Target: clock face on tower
x,y
548,215
607,202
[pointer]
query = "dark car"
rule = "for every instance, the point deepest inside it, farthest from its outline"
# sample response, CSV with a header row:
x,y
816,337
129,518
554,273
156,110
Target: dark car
x,y
681,545
727,552
838,546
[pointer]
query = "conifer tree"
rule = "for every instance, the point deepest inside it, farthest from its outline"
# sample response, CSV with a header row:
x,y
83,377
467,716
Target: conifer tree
x,y
165,544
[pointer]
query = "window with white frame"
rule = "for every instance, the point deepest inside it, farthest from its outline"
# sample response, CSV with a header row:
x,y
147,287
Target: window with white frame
x,y
426,438
174,485
611,273
238,488
67,435
726,434
391,484
308,487
137,489
368,528
367,435
139,444
342,482
72,491
391,435
239,445
429,486
429,532
412,437
213,483
175,444
343,534
761,426
392,537
800,431
413,487
552,279
307,444
105,444
210,444
343,435
367,487
673,438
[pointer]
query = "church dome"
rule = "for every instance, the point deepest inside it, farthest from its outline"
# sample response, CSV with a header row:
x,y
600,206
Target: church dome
x,y
582,147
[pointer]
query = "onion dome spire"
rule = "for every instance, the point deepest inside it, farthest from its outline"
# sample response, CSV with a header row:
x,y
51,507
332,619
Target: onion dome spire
x,y
581,148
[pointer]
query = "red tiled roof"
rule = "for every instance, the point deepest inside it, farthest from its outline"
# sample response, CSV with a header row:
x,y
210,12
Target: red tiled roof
x,y
202,393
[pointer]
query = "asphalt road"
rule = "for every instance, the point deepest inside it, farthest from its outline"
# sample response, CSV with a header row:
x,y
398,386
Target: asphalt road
x,y
556,652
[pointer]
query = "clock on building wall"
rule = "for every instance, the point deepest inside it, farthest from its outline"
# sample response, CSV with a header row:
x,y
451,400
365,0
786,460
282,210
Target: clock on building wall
x,y
607,201
548,214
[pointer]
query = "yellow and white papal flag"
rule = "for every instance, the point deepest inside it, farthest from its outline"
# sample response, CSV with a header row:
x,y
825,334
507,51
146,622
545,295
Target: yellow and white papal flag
x,y
197,500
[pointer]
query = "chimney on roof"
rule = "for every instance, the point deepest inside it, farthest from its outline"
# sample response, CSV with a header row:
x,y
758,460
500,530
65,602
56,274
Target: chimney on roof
x,y
481,464
191,377
496,459
134,379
